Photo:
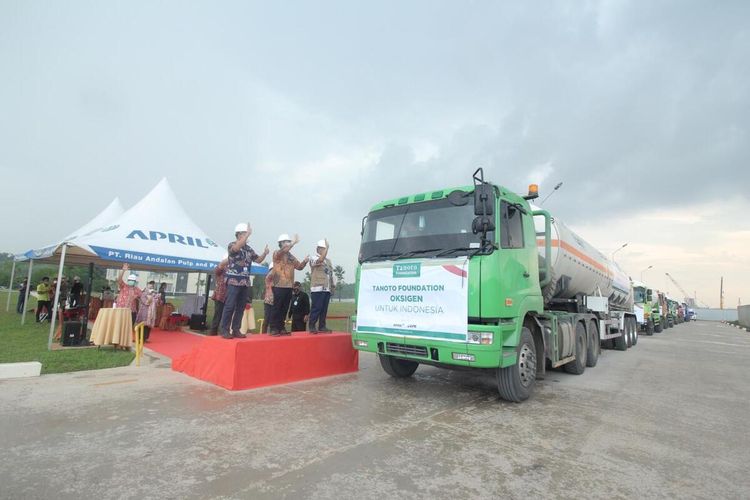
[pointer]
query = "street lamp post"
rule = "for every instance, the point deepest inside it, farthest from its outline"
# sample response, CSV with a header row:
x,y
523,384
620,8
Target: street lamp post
x,y
613,253
649,267
559,184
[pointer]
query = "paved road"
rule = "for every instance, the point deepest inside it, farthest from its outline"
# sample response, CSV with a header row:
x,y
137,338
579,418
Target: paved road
x,y
667,419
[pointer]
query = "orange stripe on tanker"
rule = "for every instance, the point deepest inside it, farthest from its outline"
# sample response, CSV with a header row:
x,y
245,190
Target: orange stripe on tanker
x,y
573,250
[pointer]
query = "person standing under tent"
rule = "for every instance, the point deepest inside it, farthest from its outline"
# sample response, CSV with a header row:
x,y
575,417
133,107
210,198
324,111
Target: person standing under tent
x,y
127,297
162,301
241,258
22,296
299,309
43,301
284,263
220,294
321,287
108,298
75,292
148,303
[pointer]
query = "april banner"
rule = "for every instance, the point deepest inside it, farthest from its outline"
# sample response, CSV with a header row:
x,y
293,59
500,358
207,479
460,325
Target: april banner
x,y
427,299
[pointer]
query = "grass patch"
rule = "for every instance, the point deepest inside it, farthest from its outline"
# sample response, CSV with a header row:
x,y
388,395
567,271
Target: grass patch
x,y
29,343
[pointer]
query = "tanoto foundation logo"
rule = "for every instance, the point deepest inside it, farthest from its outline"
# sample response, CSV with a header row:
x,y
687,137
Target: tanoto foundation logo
x,y
411,270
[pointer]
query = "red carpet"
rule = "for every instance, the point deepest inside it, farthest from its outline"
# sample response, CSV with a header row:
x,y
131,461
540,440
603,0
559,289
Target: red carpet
x,y
260,360
172,344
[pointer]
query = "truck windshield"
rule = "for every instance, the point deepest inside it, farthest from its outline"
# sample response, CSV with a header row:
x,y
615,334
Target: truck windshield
x,y
639,295
423,229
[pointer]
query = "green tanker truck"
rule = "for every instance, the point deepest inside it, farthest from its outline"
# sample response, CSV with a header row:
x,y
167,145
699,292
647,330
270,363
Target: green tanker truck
x,y
475,277
646,308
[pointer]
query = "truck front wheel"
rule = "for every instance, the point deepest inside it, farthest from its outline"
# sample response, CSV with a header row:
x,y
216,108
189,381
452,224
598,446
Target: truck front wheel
x,y
650,327
634,329
516,383
398,368
658,327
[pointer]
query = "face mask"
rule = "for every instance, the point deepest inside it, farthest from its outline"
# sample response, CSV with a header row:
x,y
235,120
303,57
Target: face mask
x,y
131,282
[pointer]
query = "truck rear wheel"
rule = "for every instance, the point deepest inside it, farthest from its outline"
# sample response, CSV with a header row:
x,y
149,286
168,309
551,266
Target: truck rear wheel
x,y
634,329
650,327
398,368
658,327
578,365
621,342
516,383
628,333
595,345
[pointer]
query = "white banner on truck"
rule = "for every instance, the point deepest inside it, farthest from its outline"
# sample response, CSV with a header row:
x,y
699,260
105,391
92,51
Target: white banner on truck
x,y
422,299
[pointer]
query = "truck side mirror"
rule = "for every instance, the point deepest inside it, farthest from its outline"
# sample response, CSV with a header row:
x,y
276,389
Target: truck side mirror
x,y
482,224
484,200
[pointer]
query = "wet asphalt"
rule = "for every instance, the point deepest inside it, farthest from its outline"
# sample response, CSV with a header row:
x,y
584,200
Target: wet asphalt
x,y
669,418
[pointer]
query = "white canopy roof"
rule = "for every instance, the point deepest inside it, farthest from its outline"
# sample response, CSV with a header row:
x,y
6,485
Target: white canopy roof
x,y
155,233
105,217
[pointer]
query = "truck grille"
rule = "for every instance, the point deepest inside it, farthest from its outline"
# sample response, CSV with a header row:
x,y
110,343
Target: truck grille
x,y
411,350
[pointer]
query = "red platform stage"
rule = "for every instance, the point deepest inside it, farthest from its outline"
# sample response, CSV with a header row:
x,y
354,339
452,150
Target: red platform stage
x,y
260,360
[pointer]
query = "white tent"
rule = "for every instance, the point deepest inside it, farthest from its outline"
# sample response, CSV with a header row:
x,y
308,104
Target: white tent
x,y
47,253
109,214
156,233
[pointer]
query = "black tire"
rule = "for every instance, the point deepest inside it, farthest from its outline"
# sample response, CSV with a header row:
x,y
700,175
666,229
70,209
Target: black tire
x,y
658,327
621,342
628,333
634,328
595,345
516,383
650,327
398,368
578,365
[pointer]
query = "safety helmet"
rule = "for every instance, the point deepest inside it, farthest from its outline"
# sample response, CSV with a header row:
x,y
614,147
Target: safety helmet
x,y
132,277
322,244
284,237
241,227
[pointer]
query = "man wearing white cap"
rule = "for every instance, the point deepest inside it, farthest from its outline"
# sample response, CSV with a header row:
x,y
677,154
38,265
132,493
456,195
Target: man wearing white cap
x,y
241,258
321,287
284,265
128,294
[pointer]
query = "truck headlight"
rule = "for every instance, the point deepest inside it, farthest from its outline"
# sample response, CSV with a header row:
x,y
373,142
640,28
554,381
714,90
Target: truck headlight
x,y
360,343
483,338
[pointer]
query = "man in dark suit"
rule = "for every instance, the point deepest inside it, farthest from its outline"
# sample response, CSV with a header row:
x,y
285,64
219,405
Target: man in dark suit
x,y
299,308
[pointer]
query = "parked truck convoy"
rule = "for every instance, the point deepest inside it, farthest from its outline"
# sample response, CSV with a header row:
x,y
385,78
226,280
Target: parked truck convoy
x,y
476,277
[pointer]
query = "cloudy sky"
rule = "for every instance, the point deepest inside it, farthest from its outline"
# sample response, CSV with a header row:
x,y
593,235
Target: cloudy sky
x,y
300,115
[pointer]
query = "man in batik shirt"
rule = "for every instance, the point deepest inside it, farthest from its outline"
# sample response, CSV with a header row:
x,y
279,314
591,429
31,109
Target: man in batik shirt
x,y
284,264
129,293
241,258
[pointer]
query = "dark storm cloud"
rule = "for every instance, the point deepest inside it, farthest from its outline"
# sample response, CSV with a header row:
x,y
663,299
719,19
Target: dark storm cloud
x,y
634,105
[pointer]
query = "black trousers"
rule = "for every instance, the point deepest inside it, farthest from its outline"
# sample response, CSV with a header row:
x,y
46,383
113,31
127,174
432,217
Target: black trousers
x,y
44,305
216,322
267,316
21,303
281,299
298,324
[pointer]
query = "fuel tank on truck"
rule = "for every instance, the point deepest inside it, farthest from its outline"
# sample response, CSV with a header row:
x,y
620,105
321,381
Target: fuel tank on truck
x,y
579,268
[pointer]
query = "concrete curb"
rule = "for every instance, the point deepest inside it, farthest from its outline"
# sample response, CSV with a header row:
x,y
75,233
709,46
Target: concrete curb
x,y
20,370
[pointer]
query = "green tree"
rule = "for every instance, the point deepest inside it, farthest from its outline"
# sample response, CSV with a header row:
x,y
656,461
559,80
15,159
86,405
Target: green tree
x,y
338,271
